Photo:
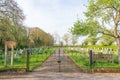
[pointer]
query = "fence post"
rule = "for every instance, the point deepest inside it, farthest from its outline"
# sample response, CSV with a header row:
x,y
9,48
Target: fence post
x,y
5,60
28,60
90,55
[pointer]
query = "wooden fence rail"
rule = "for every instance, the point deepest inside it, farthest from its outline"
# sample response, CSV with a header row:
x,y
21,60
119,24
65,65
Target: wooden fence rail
x,y
100,57
103,57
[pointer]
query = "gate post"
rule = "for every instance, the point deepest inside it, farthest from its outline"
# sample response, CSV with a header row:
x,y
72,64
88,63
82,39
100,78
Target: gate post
x,y
90,55
28,60
59,61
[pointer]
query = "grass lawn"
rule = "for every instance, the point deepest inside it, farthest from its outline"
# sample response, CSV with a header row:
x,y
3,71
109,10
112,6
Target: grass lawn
x,y
36,59
82,59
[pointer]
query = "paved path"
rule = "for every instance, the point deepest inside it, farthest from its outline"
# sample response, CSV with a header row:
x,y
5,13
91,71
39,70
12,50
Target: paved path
x,y
68,71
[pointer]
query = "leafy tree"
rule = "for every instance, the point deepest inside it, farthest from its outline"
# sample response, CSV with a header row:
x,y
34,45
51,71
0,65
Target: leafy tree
x,y
101,14
38,37
92,40
84,28
11,18
85,43
106,40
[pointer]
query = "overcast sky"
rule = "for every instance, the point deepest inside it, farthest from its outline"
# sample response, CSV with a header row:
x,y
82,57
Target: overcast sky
x,y
53,16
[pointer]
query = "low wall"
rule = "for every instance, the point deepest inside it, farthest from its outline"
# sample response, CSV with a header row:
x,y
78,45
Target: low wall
x,y
106,70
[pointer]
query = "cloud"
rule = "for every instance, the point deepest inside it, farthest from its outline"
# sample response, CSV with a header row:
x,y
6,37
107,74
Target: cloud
x,y
52,15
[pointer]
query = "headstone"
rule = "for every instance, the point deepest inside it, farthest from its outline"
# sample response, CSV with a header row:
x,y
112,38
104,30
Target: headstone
x,y
111,51
21,51
0,53
16,54
30,51
101,51
8,58
106,51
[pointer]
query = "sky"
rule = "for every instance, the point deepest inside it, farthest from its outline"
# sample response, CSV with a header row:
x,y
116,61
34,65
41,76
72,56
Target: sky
x,y
52,16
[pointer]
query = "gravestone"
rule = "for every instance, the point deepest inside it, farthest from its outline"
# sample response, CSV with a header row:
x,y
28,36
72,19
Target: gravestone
x,y
106,51
1,54
20,51
111,51
16,54
8,58
24,53
101,51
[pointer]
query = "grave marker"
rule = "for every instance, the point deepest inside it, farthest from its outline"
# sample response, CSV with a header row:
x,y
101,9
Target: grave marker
x,y
0,53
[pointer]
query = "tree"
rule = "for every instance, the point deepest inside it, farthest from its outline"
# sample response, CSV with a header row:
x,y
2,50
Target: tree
x,y
74,39
9,9
106,40
56,38
85,43
66,38
92,40
11,18
38,37
101,14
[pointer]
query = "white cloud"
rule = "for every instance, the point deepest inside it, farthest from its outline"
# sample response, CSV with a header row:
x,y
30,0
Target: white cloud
x,y
52,15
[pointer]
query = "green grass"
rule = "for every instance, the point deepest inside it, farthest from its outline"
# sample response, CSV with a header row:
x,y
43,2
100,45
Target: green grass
x,y
105,65
36,59
82,59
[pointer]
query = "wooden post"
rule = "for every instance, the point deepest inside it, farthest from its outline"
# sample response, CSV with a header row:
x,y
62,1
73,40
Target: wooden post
x,y
5,60
90,54
9,44
27,61
12,55
59,53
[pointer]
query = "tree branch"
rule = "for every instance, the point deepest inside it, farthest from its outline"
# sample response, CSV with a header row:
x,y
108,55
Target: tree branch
x,y
2,30
108,34
114,7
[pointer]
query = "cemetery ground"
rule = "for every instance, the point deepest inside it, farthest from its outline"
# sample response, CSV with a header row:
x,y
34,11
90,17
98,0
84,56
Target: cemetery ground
x,y
82,59
37,57
49,70
69,71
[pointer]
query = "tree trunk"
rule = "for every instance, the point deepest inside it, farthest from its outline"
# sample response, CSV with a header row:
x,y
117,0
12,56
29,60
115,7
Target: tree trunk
x,y
12,55
118,48
116,21
5,60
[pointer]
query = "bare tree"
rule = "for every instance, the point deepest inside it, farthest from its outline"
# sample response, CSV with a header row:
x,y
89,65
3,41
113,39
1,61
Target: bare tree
x,y
66,38
74,39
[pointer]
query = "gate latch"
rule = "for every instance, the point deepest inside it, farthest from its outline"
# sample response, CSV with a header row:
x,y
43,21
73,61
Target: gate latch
x,y
59,61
